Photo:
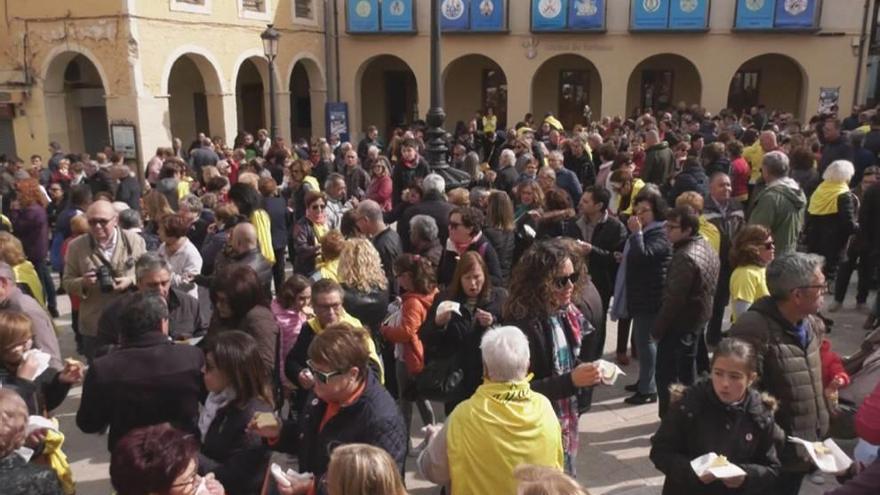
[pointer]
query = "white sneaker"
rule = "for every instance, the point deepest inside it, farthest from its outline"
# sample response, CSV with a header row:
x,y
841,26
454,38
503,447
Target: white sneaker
x,y
817,478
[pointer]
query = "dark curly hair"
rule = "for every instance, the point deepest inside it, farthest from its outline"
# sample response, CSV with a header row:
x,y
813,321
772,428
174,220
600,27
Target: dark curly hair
x,y
531,282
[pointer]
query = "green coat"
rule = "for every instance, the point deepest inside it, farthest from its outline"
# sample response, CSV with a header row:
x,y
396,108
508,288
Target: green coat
x,y
780,207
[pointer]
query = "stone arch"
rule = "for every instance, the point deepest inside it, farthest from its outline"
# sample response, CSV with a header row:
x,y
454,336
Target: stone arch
x,y
564,84
773,79
306,85
663,80
471,82
195,89
205,61
251,85
396,103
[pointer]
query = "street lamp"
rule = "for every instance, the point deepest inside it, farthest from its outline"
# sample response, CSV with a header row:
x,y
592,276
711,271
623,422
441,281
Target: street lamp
x,y
436,146
270,48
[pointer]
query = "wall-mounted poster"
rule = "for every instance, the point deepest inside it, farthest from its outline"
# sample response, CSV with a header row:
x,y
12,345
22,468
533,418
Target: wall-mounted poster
x,y
488,15
124,140
828,99
549,15
337,119
363,16
586,15
754,14
398,16
649,15
797,14
689,14
454,15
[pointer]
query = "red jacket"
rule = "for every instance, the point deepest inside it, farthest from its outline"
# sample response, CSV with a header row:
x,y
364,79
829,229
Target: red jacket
x,y
413,311
832,367
868,418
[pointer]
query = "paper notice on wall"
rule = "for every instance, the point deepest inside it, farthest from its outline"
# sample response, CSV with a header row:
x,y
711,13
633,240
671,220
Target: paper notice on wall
x,y
828,99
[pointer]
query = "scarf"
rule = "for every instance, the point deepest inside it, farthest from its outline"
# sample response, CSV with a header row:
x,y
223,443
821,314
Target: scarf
x,y
824,199
214,403
461,248
711,233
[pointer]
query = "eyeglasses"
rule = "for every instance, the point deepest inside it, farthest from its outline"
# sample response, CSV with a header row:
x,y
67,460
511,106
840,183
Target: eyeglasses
x,y
318,207
321,376
103,222
672,226
324,307
823,289
190,481
562,282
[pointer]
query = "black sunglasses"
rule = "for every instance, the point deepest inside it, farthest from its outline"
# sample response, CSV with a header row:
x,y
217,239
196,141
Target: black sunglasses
x,y
321,376
561,282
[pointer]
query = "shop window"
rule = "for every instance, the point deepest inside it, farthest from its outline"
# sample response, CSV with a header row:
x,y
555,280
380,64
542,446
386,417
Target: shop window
x,y
193,6
254,9
304,10
744,90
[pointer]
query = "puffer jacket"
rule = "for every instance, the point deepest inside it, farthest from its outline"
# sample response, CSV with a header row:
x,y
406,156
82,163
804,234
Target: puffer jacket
x,y
413,311
646,264
700,423
728,222
828,234
690,288
790,373
780,207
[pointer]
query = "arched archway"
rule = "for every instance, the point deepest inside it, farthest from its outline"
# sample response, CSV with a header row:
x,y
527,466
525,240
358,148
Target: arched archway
x,y
251,88
661,81
474,82
75,103
194,92
774,80
564,84
389,94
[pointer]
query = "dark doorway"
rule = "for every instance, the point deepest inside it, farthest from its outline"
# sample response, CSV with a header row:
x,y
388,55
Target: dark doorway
x,y
495,94
574,95
249,86
94,128
300,103
396,83
656,90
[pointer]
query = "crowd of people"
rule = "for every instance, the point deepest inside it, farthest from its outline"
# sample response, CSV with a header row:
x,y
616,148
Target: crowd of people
x,y
245,298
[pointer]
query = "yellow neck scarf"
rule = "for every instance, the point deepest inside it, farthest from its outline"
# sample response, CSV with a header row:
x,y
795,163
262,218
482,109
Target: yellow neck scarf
x,y
500,427
824,199
710,232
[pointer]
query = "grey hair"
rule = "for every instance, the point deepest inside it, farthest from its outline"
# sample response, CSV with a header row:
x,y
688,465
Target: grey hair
x,y
558,154
192,203
370,210
478,193
597,137
790,271
331,178
505,354
507,158
142,313
433,183
150,263
424,227
547,170
839,171
373,149
776,164
130,219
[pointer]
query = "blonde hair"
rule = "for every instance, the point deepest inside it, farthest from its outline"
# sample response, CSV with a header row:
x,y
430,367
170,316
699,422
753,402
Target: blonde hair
x,y
156,206
79,225
542,480
11,250
692,199
459,197
250,179
15,327
360,469
13,421
360,267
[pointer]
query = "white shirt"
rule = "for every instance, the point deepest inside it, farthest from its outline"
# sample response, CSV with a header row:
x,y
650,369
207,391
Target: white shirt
x,y
185,264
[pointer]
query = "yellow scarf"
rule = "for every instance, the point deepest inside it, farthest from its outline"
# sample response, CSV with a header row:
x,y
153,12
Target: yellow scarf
x,y
329,269
710,233
637,186
824,199
500,427
260,219
57,460
183,187
26,274
316,327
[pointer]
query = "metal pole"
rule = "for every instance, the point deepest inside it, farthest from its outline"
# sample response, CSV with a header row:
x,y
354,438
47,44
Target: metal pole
x,y
273,116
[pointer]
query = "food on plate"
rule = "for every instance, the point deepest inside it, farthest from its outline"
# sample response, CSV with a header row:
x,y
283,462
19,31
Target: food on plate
x,y
821,449
266,420
719,461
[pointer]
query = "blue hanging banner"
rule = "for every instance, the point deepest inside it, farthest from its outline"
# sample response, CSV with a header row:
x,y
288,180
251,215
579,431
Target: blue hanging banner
x,y
549,15
488,15
587,15
337,119
689,14
754,14
363,16
796,14
649,15
454,15
397,16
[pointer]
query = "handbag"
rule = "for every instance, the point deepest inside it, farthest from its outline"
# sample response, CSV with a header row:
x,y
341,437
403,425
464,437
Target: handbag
x,y
440,378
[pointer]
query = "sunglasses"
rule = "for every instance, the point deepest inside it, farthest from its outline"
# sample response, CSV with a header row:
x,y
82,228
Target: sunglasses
x,y
318,207
562,282
100,221
321,376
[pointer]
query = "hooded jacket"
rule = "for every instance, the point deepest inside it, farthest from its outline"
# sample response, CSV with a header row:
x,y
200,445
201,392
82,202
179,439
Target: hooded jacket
x,y
780,208
790,372
700,423
659,163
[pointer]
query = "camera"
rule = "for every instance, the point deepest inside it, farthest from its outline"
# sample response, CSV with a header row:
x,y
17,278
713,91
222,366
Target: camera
x,y
105,278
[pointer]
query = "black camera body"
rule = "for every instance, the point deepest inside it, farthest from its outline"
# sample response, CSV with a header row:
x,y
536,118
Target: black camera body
x,y
105,278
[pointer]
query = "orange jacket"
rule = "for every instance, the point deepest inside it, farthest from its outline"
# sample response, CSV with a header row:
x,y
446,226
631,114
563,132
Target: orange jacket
x,y
413,311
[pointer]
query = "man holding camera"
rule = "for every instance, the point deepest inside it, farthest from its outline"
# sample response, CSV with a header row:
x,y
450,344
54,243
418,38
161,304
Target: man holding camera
x,y
100,268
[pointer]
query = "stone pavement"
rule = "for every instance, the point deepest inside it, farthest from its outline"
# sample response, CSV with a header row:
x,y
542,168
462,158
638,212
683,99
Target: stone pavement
x,y
615,437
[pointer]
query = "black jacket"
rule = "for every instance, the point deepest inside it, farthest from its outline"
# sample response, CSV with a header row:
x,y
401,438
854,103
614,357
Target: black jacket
x,y
647,262
373,419
276,208
129,192
449,260
462,336
837,150
608,237
404,177
18,477
43,394
198,231
504,242
145,382
691,281
305,243
689,179
368,307
506,180
869,220
237,458
388,245
435,207
828,234
700,423
582,166
184,319
558,227
253,259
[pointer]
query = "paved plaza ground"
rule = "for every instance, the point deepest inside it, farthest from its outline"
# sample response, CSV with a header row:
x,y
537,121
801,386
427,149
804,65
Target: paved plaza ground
x,y
615,437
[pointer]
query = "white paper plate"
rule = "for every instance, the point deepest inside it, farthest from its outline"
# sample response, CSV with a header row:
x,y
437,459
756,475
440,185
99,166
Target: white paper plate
x,y
834,462
701,465
447,306
608,371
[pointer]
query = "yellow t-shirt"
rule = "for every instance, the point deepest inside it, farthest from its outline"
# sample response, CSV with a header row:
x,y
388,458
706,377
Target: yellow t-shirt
x,y
748,283
754,155
711,233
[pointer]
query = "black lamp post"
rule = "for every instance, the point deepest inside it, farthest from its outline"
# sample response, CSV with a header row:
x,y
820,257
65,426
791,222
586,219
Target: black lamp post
x,y
436,146
270,48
